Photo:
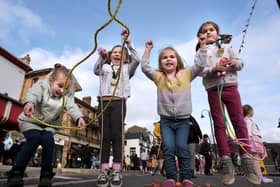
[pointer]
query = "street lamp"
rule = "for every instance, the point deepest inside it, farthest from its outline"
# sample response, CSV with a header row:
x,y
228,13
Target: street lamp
x,y
212,127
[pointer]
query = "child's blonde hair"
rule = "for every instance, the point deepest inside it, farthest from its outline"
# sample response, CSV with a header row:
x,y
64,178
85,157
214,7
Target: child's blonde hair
x,y
59,68
180,64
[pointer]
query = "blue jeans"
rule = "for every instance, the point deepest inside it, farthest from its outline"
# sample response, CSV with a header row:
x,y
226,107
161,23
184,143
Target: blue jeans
x,y
175,134
34,138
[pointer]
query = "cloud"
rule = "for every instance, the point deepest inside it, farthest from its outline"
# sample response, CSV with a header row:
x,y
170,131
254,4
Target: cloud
x,y
257,81
17,22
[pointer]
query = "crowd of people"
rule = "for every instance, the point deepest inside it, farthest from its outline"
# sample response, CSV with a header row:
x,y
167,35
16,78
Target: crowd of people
x,y
175,156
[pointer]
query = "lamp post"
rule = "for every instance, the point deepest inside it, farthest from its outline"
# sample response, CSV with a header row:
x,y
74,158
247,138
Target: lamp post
x,y
212,127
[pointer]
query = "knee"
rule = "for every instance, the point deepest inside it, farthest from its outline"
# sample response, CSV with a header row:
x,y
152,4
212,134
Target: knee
x,y
168,149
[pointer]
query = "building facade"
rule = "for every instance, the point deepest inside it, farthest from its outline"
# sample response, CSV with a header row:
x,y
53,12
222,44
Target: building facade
x,y
137,140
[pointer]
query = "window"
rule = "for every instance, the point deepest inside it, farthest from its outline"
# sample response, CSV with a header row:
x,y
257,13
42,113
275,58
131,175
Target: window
x,y
132,150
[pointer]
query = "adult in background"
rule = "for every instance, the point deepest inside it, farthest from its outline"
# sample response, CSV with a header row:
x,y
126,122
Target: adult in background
x,y
194,137
205,150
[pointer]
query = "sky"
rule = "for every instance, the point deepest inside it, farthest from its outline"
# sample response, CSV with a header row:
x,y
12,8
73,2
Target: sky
x,y
63,31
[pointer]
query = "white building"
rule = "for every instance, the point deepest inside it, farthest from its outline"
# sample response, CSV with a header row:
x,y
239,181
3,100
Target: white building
x,y
135,143
12,73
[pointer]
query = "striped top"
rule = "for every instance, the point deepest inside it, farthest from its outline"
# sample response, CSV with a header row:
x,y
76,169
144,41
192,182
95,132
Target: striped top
x,y
174,96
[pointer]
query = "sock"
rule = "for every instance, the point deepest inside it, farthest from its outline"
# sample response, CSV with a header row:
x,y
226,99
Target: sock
x,y
117,166
105,167
224,157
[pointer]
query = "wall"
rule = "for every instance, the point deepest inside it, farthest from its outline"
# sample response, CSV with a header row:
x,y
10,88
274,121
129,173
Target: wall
x,y
11,78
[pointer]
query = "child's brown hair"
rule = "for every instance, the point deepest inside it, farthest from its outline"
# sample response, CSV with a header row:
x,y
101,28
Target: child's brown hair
x,y
215,25
246,110
126,54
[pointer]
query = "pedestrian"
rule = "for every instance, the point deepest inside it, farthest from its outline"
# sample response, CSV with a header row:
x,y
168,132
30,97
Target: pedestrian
x,y
127,162
93,161
114,74
44,100
197,163
154,164
201,164
256,140
154,149
275,158
174,107
221,66
144,159
205,150
69,159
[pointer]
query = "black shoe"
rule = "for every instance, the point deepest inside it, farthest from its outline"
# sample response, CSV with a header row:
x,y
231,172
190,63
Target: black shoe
x,y
46,177
15,178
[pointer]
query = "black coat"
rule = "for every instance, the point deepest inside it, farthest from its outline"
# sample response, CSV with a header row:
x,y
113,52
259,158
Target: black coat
x,y
194,133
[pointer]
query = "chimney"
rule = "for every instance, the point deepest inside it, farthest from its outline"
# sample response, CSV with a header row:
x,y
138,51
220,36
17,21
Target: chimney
x,y
87,100
26,59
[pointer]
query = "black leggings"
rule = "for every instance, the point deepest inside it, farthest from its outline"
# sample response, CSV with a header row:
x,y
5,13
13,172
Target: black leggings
x,y
111,123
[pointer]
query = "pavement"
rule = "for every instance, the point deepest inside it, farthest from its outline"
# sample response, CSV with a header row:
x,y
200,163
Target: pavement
x,y
77,177
35,171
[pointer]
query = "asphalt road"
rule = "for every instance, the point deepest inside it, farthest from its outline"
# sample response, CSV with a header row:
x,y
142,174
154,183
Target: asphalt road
x,y
137,180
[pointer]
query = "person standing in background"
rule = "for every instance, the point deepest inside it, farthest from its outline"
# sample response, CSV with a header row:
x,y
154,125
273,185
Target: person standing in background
x,y
256,139
194,137
205,150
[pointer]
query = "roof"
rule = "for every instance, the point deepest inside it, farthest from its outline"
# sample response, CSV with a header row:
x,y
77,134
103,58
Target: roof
x,y
138,135
81,102
15,60
133,135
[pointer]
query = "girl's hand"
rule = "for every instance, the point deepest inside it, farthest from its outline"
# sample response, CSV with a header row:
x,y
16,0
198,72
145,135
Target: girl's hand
x,y
102,52
28,109
125,37
149,44
82,123
219,68
232,64
202,40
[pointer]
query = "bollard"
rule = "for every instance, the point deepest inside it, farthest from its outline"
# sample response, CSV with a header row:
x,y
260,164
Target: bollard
x,y
156,185
59,168
207,185
178,184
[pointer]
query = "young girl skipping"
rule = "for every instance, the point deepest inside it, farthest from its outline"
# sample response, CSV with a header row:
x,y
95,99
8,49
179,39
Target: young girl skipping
x,y
221,66
173,83
44,101
112,119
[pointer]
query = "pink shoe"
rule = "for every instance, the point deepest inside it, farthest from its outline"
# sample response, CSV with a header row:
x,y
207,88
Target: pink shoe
x,y
169,183
187,183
